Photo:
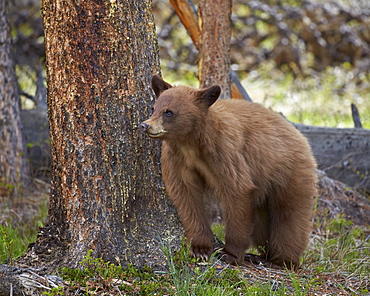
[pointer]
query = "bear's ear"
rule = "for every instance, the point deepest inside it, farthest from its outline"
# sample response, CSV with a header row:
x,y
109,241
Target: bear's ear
x,y
209,95
159,85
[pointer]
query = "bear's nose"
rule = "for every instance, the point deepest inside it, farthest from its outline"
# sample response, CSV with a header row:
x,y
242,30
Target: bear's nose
x,y
144,126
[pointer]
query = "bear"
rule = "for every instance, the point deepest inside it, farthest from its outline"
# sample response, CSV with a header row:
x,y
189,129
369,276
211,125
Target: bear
x,y
259,166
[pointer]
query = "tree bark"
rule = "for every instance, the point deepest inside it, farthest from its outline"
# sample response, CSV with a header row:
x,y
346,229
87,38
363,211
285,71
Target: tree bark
x,y
13,167
106,193
214,44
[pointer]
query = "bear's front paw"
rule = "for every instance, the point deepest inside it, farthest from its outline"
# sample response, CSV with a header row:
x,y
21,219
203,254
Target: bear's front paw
x,y
201,252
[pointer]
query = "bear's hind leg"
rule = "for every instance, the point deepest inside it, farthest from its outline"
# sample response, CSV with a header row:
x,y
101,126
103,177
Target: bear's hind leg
x,y
260,235
290,220
260,238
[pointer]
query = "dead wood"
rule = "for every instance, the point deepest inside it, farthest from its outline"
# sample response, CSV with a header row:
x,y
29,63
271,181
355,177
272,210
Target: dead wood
x,y
344,154
26,281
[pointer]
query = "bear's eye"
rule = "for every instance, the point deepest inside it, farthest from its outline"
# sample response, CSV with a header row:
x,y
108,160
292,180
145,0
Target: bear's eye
x,y
168,112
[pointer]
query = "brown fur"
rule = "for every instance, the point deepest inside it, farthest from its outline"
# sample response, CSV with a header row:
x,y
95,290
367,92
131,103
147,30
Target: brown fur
x,y
250,157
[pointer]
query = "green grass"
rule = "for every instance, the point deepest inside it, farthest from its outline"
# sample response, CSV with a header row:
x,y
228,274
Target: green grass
x,y
17,231
14,242
95,274
343,248
189,278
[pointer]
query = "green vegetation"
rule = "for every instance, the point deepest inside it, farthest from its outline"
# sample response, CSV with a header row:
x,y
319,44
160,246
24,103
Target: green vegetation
x,y
16,234
343,248
184,277
14,242
96,275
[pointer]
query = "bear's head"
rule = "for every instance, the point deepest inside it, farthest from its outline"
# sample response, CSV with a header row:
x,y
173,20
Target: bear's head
x,y
178,110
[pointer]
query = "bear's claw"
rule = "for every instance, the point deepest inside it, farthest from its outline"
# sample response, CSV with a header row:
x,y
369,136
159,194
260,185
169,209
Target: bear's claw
x,y
202,253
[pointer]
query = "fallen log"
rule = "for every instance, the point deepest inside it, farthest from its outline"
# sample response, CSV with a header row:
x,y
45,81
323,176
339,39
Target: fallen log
x,y
342,153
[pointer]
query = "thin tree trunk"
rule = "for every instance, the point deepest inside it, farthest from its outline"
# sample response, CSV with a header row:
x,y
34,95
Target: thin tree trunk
x,y
107,193
188,17
13,168
214,44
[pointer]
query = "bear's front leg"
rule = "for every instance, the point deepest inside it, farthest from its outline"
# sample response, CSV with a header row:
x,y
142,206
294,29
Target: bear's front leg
x,y
186,189
193,216
187,194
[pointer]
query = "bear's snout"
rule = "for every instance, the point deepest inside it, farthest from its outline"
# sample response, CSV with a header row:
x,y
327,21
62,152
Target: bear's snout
x,y
144,126
152,128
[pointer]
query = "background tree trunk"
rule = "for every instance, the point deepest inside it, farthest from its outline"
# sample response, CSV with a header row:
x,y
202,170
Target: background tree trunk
x,y
106,193
214,44
13,168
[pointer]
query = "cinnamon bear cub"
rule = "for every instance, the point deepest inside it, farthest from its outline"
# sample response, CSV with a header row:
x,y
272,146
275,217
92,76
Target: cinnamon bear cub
x,y
258,165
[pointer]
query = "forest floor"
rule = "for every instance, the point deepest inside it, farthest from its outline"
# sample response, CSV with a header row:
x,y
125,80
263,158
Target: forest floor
x,y
337,261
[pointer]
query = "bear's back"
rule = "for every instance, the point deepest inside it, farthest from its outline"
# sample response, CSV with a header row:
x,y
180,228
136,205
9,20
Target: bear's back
x,y
252,118
270,144
245,110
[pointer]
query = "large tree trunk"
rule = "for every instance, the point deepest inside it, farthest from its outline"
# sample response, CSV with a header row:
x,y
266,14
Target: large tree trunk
x,y
106,193
13,168
214,44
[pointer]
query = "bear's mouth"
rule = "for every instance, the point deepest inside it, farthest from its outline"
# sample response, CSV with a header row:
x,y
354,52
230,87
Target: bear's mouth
x,y
156,135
